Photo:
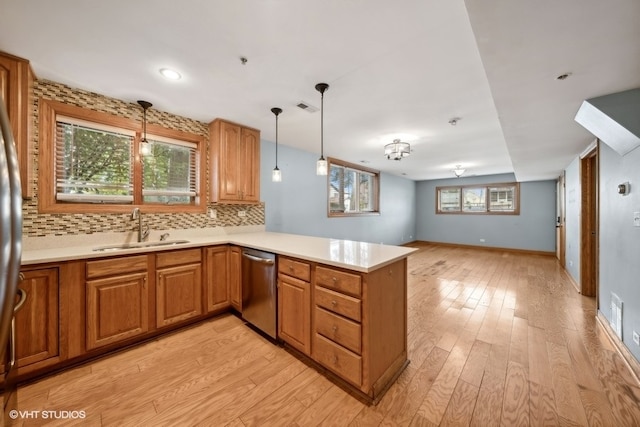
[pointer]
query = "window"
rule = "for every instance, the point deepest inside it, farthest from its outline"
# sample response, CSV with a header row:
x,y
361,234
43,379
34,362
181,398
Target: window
x,y
353,190
479,199
90,162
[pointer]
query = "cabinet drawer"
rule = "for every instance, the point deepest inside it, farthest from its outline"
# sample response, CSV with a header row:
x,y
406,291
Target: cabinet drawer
x,y
339,303
107,267
339,280
337,358
343,331
188,256
297,269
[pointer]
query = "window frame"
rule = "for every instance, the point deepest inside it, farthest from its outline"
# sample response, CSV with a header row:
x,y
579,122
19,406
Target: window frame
x,y
47,202
359,169
487,199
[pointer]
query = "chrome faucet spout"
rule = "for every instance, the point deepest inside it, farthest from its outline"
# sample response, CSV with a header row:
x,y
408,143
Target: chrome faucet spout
x,y
143,230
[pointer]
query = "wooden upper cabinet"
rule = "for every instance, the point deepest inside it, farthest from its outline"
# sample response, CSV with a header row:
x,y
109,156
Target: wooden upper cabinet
x,y
16,80
235,163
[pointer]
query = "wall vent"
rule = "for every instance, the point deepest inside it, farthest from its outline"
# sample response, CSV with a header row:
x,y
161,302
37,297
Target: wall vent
x,y
307,107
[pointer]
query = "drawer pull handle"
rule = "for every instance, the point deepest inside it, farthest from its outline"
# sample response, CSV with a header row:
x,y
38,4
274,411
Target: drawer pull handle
x,y
334,359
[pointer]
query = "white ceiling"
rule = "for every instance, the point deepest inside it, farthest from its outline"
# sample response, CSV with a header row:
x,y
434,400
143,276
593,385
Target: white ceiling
x,y
395,69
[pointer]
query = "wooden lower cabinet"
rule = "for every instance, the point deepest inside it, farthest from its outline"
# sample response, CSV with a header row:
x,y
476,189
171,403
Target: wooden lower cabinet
x,y
117,300
37,322
178,286
217,278
294,312
235,277
360,325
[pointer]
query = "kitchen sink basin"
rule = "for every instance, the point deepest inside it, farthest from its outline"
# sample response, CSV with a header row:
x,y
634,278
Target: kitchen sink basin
x,y
139,245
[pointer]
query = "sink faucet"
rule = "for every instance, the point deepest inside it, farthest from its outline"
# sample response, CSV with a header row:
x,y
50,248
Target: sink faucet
x,y
143,230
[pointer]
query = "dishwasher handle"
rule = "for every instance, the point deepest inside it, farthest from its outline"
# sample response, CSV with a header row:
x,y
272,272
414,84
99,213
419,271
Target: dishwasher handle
x,y
258,259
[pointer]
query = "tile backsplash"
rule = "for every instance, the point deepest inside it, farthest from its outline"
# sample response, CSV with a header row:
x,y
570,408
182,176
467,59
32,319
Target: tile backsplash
x,y
37,225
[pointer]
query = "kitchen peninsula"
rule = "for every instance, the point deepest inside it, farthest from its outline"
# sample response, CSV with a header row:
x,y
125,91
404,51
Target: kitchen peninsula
x,y
342,305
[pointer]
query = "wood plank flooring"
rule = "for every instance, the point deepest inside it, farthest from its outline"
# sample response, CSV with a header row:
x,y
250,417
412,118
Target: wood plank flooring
x,y
495,338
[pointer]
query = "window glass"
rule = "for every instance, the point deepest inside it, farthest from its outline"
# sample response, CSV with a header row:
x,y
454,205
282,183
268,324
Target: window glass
x,y
502,199
169,173
352,191
474,199
478,199
92,165
449,200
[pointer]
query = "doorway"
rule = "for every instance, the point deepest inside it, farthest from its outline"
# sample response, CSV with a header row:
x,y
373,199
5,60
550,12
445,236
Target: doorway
x,y
589,224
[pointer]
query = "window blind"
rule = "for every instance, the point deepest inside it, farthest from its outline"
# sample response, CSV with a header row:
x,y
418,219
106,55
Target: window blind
x,y
93,162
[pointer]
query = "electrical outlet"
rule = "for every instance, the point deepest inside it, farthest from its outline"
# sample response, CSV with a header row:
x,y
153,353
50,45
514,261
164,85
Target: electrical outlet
x,y
213,214
636,219
482,240
636,338
242,214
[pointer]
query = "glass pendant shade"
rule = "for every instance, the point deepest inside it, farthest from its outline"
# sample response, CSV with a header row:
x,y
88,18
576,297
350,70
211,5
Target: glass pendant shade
x,y
321,165
276,175
145,146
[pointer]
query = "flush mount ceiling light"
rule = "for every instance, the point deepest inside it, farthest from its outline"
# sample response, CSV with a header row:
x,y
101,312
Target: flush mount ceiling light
x,y
145,146
276,175
170,74
397,150
321,164
454,121
458,171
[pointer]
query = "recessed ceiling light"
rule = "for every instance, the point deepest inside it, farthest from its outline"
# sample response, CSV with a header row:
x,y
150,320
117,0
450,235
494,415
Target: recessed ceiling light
x,y
170,74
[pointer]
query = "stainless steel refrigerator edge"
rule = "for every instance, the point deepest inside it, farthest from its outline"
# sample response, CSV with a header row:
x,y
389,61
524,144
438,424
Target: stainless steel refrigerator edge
x,y
10,257
259,297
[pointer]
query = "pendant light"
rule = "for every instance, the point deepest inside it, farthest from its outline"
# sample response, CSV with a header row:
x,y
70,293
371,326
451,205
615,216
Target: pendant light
x,y
321,165
276,175
145,146
458,171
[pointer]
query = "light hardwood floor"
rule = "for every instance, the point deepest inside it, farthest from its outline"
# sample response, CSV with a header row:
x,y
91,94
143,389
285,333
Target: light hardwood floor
x,y
495,338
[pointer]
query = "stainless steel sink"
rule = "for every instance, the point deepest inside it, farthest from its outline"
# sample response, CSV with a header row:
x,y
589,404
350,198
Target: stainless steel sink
x,y
139,245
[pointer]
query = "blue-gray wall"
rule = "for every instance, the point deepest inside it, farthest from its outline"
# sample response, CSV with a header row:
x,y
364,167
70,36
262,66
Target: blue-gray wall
x,y
533,229
298,204
619,240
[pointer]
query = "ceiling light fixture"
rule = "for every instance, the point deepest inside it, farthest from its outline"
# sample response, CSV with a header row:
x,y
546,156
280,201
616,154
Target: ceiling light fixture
x,y
458,171
276,175
397,150
170,74
145,146
321,164
454,121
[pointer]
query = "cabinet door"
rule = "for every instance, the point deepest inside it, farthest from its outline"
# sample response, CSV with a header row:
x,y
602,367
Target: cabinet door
x,y
217,278
230,173
16,78
37,321
235,278
178,294
117,308
250,165
294,312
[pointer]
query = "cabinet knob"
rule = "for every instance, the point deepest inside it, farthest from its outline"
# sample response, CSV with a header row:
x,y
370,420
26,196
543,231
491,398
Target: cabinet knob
x,y
334,359
334,303
335,279
335,328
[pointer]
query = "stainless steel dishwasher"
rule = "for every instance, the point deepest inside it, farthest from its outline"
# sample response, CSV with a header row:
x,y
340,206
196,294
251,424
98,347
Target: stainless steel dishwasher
x,y
259,297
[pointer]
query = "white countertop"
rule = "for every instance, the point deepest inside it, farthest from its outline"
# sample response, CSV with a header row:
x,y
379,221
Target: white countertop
x,y
359,256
